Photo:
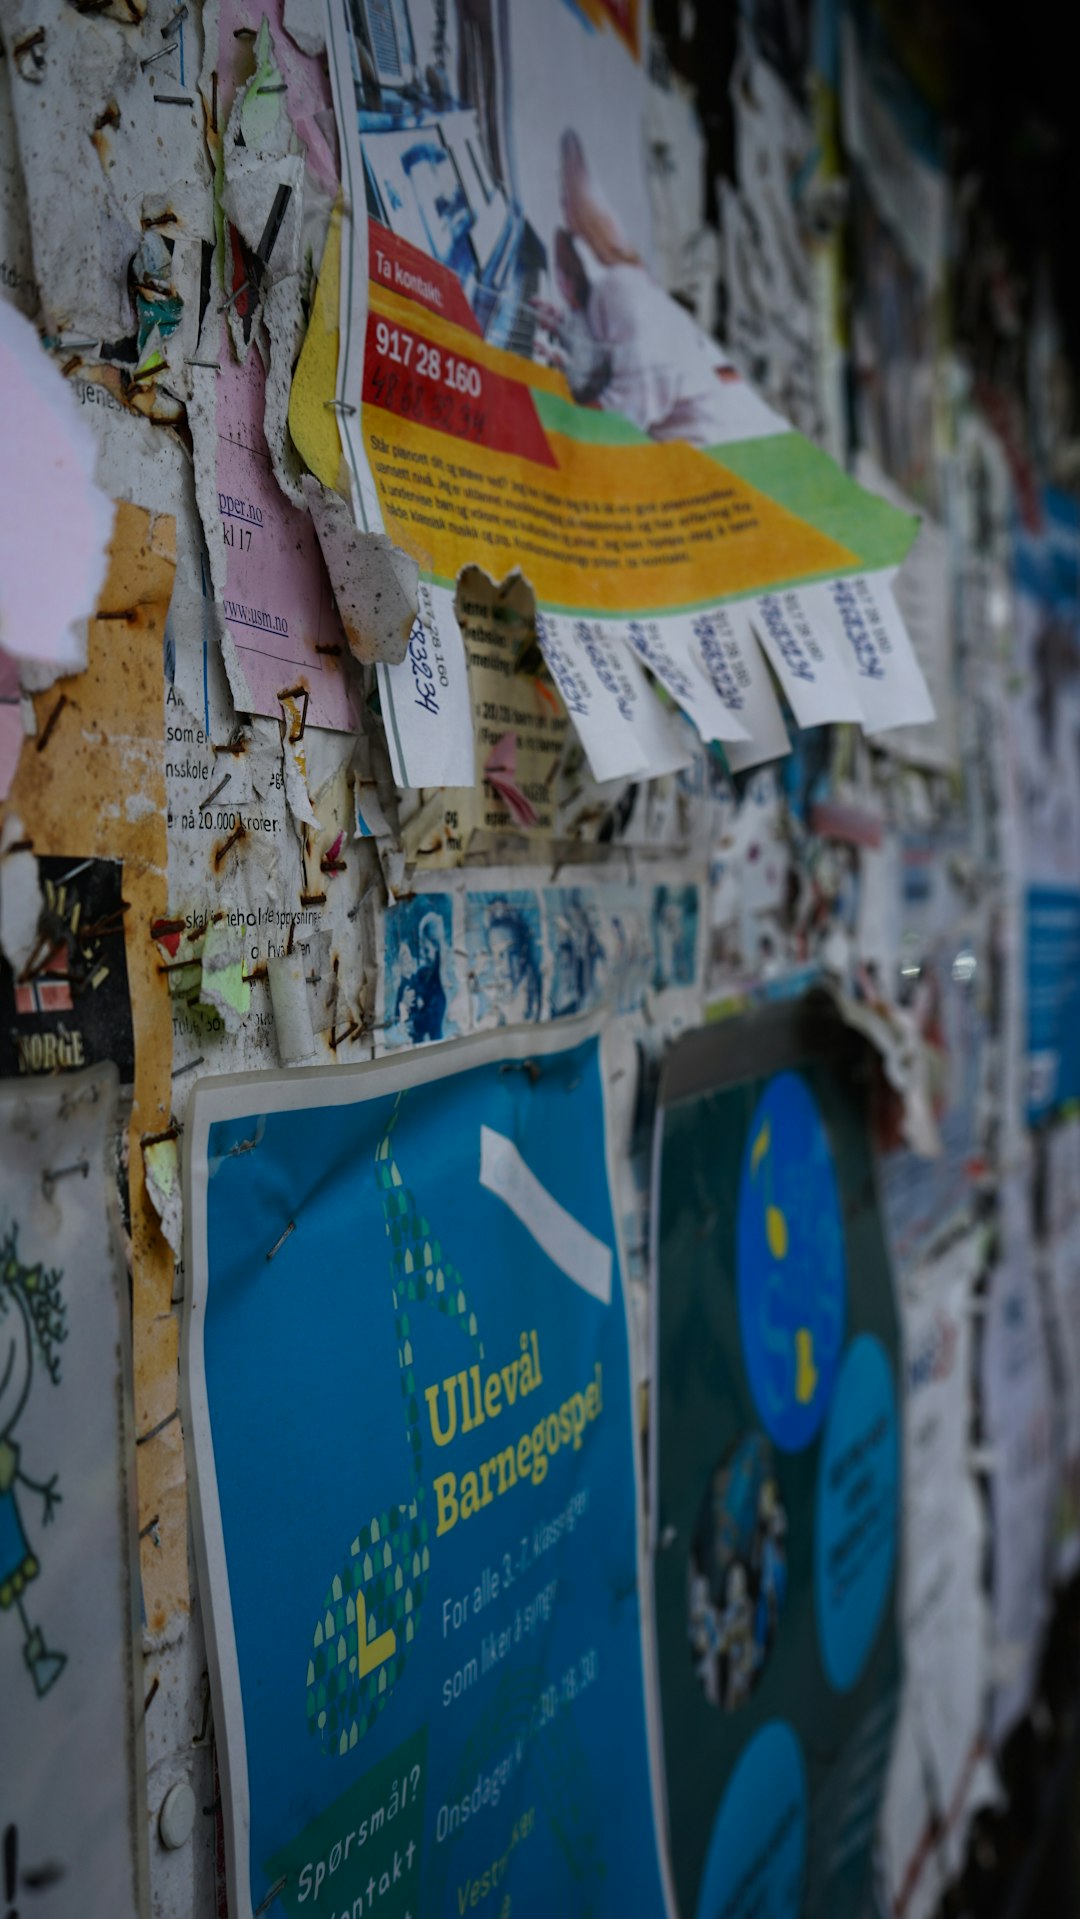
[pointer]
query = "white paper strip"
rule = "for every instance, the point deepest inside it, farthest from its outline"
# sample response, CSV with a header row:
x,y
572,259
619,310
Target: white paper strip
x,y
577,1252
723,640
292,1014
864,619
585,670
663,735
425,700
806,660
667,649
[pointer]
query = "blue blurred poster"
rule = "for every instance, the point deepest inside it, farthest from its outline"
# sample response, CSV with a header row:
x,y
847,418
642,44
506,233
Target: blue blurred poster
x,y
409,1402
1044,733
775,1469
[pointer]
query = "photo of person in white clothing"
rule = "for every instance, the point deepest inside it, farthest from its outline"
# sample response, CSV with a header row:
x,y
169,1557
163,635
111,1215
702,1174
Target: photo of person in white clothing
x,y
635,351
626,345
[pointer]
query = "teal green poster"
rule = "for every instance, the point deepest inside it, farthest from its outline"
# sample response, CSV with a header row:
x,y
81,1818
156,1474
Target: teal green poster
x,y
408,1387
776,1469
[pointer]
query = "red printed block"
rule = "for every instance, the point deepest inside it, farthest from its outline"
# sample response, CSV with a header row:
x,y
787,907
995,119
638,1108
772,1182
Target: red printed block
x,y
401,268
418,380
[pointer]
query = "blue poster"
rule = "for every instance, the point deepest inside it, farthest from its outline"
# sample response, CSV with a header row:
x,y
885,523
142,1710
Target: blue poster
x,y
409,1402
1045,723
776,1489
1052,974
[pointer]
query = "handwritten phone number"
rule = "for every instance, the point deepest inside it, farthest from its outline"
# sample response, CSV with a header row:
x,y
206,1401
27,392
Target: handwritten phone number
x,y
563,1691
411,377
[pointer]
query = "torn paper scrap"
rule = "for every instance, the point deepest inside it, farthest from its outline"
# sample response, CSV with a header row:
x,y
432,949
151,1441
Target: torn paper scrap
x,y
11,728
923,594
111,144
303,22
425,700
371,822
278,619
312,412
294,761
16,248
20,896
224,984
374,583
510,692
48,585
723,640
292,1011
500,772
161,1161
263,198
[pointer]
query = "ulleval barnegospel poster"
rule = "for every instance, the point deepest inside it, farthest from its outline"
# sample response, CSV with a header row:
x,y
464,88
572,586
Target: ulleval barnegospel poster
x,y
418,1497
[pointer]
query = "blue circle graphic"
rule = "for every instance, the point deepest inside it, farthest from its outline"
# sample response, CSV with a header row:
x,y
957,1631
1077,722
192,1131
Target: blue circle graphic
x,y
858,1511
757,1850
792,1272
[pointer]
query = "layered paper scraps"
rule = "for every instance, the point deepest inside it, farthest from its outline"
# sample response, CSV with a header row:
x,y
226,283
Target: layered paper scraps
x,y
48,585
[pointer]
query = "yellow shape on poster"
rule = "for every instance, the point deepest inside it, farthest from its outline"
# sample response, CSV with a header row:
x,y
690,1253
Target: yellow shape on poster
x,y
776,1232
372,1652
312,418
806,1373
608,529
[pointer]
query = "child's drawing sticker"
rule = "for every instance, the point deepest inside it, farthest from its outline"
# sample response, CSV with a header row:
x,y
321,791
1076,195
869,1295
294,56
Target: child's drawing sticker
x,y
68,1665
32,1329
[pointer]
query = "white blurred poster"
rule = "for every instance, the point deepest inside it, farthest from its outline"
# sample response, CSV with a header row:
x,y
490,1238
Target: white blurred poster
x,y
940,1773
1018,1437
1063,1315
70,1840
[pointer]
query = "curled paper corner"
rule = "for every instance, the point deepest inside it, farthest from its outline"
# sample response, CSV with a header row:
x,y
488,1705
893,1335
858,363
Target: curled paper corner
x,y
303,21
224,984
500,772
294,771
292,1010
905,1063
161,1163
283,323
513,596
262,197
375,585
47,589
20,896
11,721
423,832
294,761
313,418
